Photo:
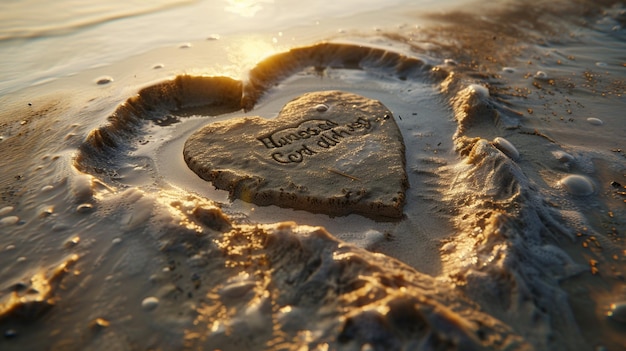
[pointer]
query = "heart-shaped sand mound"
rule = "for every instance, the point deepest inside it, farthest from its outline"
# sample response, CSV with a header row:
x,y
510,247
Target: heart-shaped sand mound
x,y
327,152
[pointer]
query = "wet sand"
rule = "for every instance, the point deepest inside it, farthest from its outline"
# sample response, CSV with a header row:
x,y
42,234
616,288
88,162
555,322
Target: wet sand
x,y
511,235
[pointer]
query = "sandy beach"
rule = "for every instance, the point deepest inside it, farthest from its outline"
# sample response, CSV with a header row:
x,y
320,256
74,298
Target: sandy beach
x,y
273,176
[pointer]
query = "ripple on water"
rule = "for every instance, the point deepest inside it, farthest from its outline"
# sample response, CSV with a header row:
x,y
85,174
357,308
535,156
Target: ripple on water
x,y
578,185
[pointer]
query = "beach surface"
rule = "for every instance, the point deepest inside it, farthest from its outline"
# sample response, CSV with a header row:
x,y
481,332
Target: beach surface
x,y
395,176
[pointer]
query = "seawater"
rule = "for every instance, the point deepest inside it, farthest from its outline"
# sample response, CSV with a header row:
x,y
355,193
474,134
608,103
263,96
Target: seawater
x,y
512,236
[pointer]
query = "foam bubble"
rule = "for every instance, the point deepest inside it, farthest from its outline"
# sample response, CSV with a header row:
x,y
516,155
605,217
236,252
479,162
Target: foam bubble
x,y
84,208
321,108
595,121
578,185
506,147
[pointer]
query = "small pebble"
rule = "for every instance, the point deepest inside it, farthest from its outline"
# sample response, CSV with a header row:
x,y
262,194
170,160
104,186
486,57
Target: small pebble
x,y
46,211
10,220
99,323
617,312
563,156
578,185
10,333
84,208
6,210
150,303
480,90
104,80
506,147
321,108
508,70
541,75
595,121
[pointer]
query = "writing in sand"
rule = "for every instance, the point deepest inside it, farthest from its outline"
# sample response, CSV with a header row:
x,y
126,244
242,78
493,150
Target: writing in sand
x,y
293,144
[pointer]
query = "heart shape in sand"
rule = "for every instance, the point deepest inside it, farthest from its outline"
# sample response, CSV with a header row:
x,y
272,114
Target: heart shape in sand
x,y
327,152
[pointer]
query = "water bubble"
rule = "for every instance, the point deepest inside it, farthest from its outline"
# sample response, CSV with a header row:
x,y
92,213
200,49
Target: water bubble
x,y
9,220
506,147
6,210
595,121
617,312
46,188
21,259
601,64
541,75
150,303
578,185
116,241
321,108
104,80
450,62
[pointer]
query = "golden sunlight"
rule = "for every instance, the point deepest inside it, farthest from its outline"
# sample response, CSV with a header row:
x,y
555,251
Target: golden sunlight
x,y
245,8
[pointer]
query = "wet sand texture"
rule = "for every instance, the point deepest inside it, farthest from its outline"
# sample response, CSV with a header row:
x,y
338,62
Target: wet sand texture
x,y
327,152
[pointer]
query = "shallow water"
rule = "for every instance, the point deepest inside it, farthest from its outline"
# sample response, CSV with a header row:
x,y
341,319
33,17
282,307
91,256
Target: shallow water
x,y
512,234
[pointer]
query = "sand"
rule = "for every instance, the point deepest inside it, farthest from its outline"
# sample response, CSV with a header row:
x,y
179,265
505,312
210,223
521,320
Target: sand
x,y
326,152
510,234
